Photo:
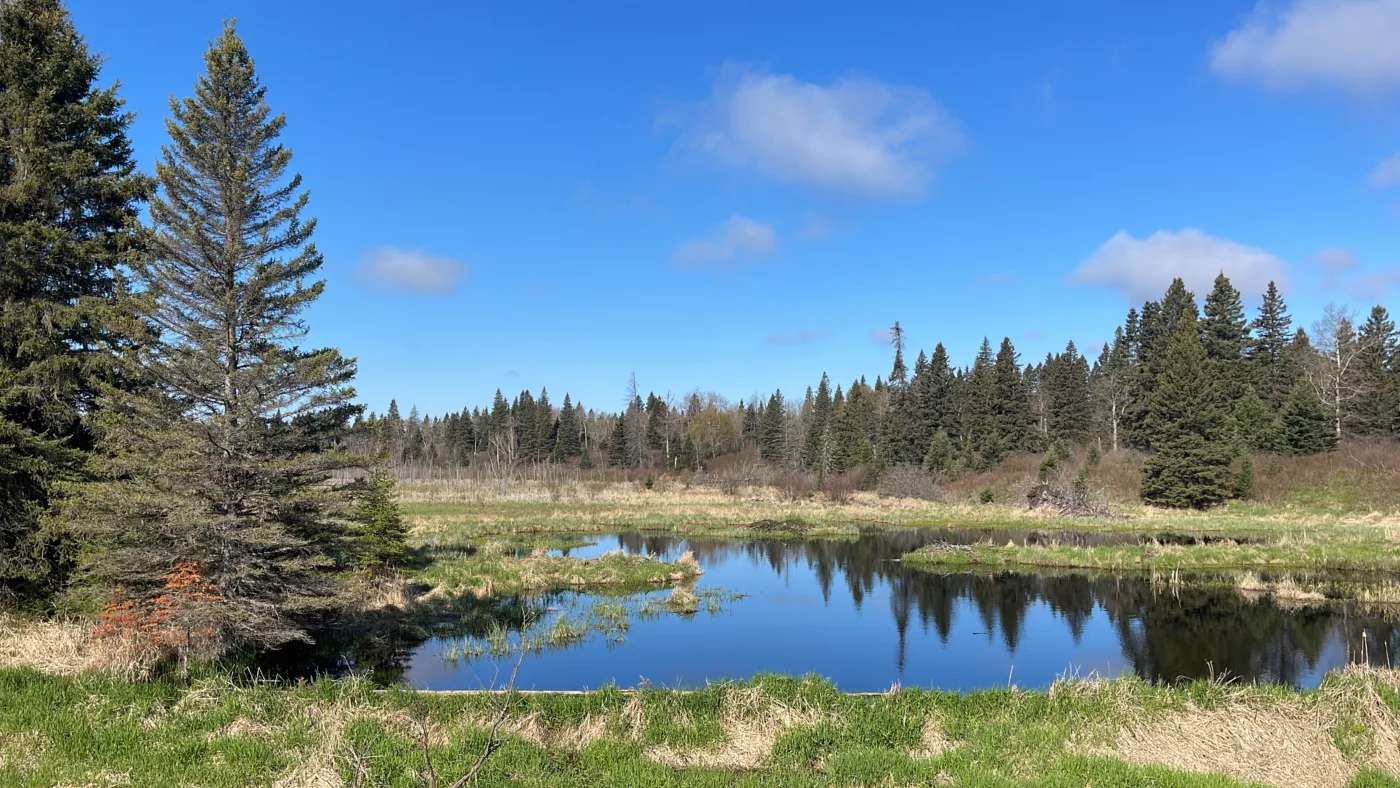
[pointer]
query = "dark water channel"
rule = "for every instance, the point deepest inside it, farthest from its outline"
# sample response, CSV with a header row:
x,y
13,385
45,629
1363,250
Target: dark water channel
x,y
848,610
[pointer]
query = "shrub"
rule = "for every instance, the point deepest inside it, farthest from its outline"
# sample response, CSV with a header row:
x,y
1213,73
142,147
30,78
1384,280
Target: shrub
x,y
908,481
986,494
794,486
839,488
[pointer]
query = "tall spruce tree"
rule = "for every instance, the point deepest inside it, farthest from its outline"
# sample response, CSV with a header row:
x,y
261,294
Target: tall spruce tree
x,y
1226,333
1069,408
221,464
1376,410
1267,353
816,450
69,198
618,456
1191,453
569,440
773,433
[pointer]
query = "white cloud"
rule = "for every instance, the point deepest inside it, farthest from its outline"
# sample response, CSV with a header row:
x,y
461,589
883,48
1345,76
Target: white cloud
x,y
1346,44
1386,174
1142,270
734,244
1375,286
408,271
881,336
855,135
796,337
1335,260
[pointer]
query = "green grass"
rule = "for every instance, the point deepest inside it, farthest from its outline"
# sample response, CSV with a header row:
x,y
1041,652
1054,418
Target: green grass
x,y
491,569
1339,549
774,731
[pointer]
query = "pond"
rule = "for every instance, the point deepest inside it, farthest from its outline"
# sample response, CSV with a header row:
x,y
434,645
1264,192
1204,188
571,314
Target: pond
x,y
849,610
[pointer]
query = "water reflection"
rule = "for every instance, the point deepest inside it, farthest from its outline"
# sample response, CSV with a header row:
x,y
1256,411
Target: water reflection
x,y
849,610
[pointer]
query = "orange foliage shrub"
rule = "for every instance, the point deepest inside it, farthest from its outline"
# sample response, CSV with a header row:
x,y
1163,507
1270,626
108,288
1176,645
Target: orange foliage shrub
x,y
182,621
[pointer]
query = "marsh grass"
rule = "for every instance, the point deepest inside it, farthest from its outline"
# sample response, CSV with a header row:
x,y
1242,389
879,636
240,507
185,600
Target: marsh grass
x,y
494,570
1342,548
93,729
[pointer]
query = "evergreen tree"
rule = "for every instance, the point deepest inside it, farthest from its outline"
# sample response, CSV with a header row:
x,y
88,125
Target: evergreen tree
x,y
851,431
413,438
899,372
1255,428
617,444
1190,462
939,459
979,425
1267,354
569,441
656,423
1226,334
1069,408
1376,410
1304,426
380,533
69,198
773,441
502,423
222,465
1010,405
526,418
816,451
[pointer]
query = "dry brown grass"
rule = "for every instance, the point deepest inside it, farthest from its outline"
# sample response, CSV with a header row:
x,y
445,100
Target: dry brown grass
x,y
66,647
1255,744
1289,741
752,723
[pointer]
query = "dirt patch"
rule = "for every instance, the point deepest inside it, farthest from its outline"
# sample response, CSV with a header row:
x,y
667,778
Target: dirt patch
x,y
932,741
531,728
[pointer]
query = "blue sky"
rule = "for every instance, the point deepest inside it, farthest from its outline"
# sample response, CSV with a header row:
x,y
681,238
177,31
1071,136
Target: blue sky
x,y
738,196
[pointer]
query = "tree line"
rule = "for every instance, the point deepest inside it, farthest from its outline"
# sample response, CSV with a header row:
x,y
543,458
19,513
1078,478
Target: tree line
x,y
169,449
1197,386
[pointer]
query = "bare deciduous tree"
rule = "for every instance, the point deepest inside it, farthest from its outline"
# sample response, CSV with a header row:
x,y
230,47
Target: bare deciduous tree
x,y
1332,369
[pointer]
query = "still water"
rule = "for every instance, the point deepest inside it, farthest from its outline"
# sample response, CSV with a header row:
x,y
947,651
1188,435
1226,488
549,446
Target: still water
x,y
850,611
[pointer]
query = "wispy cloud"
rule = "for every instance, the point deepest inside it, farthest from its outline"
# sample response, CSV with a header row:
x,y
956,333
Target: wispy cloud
x,y
1142,269
1342,44
1334,259
734,244
409,271
1373,287
1386,174
881,336
854,135
804,337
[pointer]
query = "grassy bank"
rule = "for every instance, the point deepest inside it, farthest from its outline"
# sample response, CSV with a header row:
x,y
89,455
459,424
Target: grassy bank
x,y
1338,548
493,568
96,730
448,518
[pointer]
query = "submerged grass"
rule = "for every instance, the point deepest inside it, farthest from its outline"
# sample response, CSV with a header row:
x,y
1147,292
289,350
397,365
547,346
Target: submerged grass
x,y
94,729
